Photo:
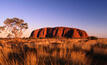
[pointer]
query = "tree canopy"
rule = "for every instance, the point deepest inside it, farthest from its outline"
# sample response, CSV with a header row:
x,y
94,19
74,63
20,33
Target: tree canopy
x,y
14,27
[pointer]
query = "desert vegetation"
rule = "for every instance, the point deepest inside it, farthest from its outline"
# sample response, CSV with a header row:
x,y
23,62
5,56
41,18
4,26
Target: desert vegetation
x,y
53,51
14,27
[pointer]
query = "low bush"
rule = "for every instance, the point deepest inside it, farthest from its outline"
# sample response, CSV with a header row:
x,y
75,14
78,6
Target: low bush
x,y
92,38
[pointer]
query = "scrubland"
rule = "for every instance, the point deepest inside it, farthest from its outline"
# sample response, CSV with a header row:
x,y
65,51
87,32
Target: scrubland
x,y
53,51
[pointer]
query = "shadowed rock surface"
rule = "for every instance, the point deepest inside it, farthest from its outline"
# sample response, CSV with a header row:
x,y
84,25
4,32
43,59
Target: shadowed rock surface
x,y
59,32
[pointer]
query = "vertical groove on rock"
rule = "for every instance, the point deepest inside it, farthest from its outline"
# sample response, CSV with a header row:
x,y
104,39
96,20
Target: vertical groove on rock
x,y
38,34
32,34
75,34
63,32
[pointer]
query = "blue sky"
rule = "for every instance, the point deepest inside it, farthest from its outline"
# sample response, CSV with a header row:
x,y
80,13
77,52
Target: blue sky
x,y
89,15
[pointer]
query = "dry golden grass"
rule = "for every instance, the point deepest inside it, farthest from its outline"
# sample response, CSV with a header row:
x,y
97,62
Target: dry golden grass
x,y
53,51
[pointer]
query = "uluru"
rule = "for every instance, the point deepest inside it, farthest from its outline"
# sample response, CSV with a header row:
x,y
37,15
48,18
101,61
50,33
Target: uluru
x,y
60,32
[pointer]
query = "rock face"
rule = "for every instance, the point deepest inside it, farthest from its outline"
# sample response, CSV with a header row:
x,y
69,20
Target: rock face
x,y
59,32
